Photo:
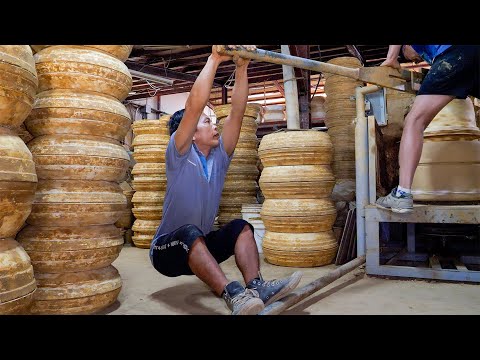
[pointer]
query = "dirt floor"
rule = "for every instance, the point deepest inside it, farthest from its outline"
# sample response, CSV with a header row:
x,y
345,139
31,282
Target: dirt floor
x,y
145,292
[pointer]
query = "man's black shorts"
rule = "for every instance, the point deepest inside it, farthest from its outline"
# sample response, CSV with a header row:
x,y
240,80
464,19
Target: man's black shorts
x,y
169,253
455,72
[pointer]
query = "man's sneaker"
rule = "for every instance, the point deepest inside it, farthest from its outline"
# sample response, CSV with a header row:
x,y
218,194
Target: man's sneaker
x,y
402,204
242,301
272,290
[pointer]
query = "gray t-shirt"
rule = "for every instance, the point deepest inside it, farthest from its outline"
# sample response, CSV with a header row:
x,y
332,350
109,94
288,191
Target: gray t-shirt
x,y
190,197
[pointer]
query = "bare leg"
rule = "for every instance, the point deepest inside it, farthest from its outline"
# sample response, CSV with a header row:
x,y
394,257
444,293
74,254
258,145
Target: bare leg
x,y
204,265
246,254
424,109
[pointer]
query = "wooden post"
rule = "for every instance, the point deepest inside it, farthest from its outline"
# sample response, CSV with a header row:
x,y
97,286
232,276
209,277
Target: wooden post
x,y
303,85
224,95
295,297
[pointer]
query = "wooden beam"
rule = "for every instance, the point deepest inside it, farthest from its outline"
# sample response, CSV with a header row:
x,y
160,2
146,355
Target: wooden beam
x,y
148,69
224,95
279,87
303,85
168,53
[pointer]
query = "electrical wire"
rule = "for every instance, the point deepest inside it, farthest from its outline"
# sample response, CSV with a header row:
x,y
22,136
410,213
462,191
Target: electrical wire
x,y
319,76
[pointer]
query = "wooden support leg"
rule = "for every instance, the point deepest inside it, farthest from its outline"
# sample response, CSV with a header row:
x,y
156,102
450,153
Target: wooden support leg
x,y
411,237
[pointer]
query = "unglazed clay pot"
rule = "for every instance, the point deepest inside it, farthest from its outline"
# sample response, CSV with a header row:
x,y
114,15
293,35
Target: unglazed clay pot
x,y
160,126
17,284
144,232
455,121
298,215
149,177
299,249
78,202
297,182
18,181
18,84
81,69
84,292
448,171
79,157
71,248
308,147
121,52
67,112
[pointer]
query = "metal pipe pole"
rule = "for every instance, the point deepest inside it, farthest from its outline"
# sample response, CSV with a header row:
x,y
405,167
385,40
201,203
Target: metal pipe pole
x,y
295,61
298,295
378,75
361,164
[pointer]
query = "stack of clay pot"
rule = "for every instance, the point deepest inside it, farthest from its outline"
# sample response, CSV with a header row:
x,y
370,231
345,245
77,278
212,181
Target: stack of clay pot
x,y
241,181
18,179
78,121
298,213
449,168
126,219
149,177
340,118
274,113
340,108
317,108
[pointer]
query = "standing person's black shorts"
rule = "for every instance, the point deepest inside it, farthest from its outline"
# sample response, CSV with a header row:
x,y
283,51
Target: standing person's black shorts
x,y
169,253
455,72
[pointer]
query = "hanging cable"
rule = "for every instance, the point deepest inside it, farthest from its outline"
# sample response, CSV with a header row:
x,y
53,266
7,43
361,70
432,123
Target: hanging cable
x,y
319,75
230,80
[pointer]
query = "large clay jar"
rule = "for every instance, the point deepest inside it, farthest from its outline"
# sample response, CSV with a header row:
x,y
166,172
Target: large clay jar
x,y
448,171
144,232
71,248
456,119
297,182
300,249
296,148
148,205
149,148
154,126
17,284
85,292
121,52
79,157
18,84
149,177
298,215
81,69
78,202
18,181
66,112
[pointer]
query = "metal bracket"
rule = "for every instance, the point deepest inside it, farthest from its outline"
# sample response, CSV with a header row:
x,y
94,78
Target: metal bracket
x,y
376,105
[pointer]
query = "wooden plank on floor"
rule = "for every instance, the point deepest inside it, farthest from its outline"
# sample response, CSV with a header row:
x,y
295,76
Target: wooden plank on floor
x,y
343,241
353,237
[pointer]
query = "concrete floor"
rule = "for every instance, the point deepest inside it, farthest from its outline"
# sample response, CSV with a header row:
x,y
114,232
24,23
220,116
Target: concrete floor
x,y
145,292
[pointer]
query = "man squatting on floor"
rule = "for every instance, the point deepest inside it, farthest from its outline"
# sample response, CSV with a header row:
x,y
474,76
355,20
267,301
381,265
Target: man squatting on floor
x,y
197,160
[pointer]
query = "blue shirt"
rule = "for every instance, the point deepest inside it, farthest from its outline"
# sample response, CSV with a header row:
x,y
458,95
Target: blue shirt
x,y
430,52
193,196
